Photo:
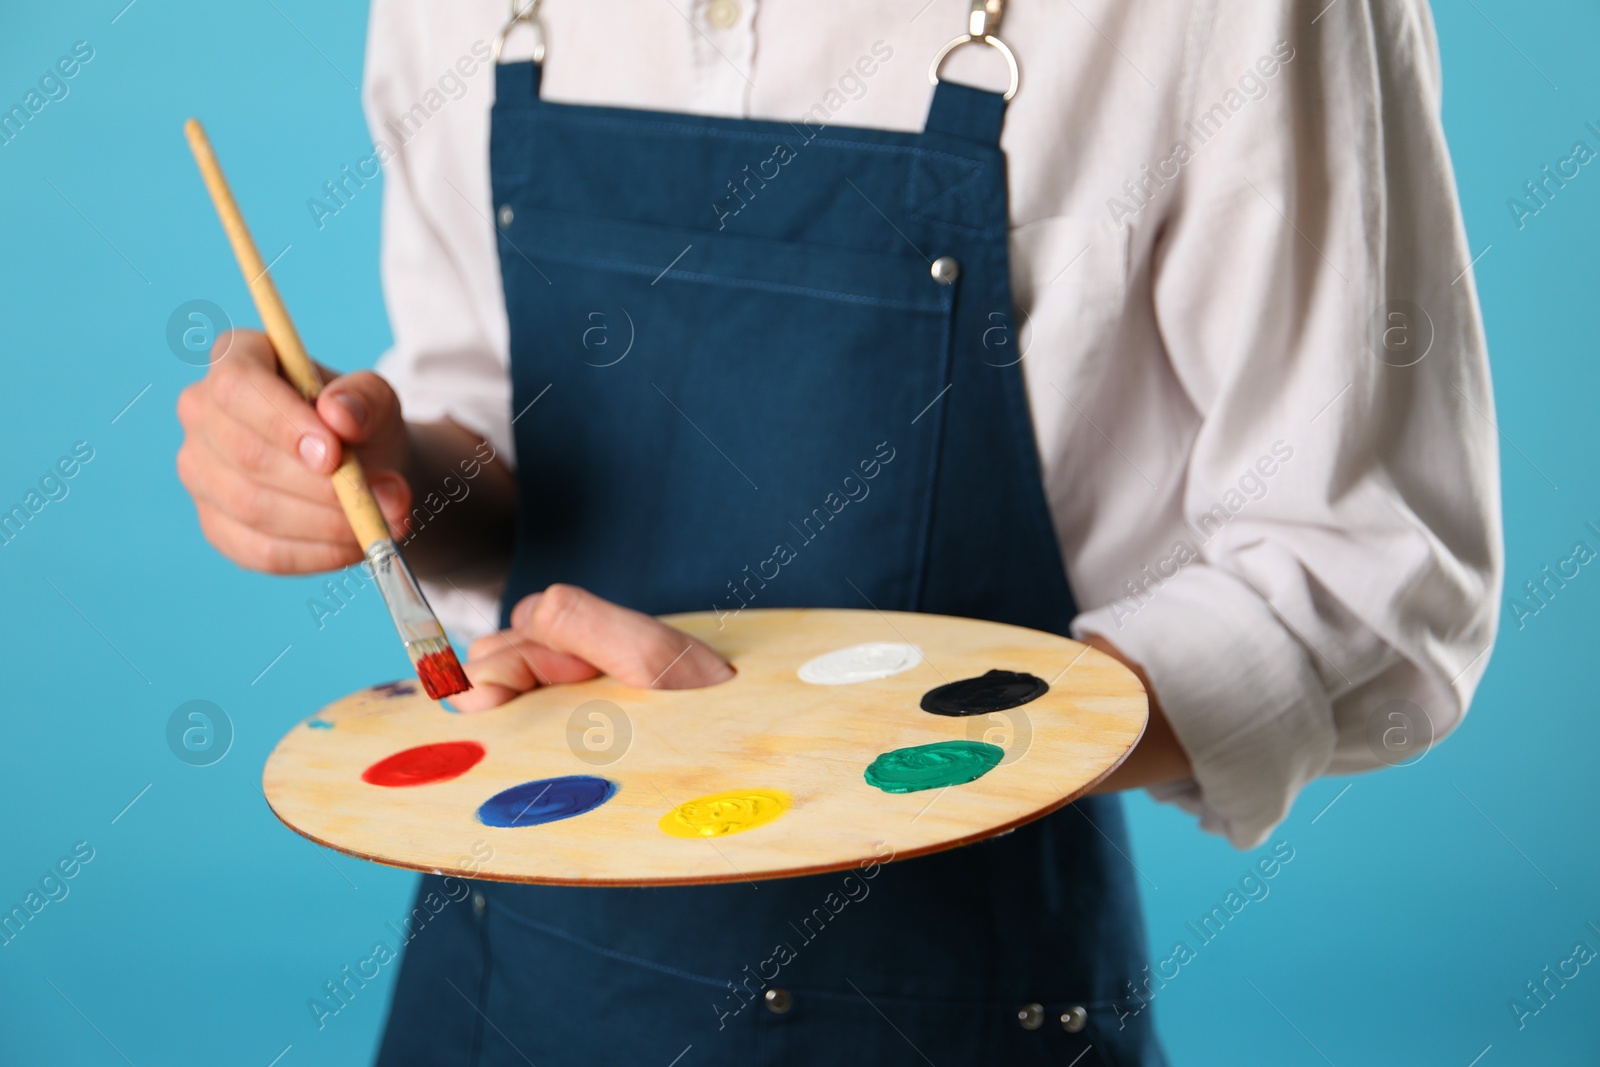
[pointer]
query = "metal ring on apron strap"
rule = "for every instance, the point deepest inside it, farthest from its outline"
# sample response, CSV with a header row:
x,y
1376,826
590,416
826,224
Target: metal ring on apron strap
x,y
982,22
523,12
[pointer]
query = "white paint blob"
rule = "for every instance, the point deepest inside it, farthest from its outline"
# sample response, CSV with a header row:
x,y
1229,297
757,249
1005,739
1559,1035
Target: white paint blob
x,y
860,663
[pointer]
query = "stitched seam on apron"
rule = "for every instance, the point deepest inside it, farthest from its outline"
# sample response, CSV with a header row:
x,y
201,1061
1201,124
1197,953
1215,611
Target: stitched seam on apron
x,y
746,283
925,209
735,135
611,952
1002,1004
936,463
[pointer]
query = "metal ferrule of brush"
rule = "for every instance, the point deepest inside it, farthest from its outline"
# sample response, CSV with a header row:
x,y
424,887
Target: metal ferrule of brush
x,y
419,628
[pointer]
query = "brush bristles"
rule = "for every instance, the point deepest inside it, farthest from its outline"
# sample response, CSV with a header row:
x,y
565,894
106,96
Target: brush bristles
x,y
439,670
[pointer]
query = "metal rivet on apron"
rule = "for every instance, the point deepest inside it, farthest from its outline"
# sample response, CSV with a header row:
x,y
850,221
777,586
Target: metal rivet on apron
x,y
1031,1016
506,215
1074,1019
945,270
779,1001
478,903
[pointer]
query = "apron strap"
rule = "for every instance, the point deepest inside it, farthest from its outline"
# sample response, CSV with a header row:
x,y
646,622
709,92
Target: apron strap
x,y
971,114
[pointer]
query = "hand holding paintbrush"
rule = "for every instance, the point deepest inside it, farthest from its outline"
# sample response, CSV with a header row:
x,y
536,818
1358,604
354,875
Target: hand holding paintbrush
x,y
424,638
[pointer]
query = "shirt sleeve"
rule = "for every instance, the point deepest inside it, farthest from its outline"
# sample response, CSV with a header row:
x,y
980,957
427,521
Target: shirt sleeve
x,y
1330,603
428,87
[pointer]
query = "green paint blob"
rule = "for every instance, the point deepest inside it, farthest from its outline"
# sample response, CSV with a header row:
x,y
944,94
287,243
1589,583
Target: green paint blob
x,y
908,770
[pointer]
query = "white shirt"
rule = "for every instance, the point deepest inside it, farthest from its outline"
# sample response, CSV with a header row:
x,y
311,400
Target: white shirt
x,y
1211,204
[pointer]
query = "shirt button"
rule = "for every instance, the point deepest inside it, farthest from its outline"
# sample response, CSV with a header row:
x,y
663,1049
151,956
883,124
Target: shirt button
x,y
1074,1019
1031,1016
945,270
478,903
506,215
723,13
779,1001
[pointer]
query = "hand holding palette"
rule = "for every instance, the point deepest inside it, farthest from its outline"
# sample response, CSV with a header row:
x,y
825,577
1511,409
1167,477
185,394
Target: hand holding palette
x,y
842,731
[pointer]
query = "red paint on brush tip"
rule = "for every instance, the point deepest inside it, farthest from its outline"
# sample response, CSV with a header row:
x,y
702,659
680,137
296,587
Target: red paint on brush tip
x,y
442,675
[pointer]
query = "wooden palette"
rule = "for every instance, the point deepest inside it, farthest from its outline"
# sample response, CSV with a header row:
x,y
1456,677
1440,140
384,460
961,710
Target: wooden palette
x,y
766,730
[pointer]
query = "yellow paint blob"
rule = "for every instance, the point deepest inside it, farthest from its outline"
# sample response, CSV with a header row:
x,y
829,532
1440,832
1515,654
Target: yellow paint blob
x,y
720,814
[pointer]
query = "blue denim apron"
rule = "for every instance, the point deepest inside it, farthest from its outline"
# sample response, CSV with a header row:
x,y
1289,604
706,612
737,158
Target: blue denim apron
x,y
767,364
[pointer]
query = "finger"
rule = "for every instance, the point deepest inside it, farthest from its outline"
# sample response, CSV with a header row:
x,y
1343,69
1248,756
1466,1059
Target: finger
x,y
273,555
548,666
257,398
217,440
359,407
245,346
271,511
503,665
393,493
630,646
258,504
208,426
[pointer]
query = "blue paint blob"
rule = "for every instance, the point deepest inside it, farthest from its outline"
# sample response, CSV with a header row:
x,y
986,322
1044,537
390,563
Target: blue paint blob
x,y
318,724
402,688
546,800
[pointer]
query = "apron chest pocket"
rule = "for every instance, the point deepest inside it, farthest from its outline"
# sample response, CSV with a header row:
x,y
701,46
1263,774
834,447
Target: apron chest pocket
x,y
792,384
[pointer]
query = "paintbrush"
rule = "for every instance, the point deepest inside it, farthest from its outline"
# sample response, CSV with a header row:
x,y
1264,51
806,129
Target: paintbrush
x,y
430,652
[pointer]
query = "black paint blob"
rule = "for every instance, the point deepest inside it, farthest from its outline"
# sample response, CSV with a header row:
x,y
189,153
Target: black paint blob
x,y
994,691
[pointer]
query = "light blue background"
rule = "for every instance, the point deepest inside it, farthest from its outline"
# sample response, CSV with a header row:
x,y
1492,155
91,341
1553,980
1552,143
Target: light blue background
x,y
1398,934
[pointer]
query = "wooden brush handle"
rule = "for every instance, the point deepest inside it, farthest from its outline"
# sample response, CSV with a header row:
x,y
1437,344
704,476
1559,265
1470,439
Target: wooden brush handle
x,y
349,481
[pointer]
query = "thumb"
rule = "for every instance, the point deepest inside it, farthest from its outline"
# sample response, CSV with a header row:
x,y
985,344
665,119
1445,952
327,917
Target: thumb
x,y
360,407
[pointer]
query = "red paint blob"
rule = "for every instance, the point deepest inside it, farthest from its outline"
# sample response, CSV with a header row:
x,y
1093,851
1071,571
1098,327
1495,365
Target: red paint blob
x,y
425,764
442,675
